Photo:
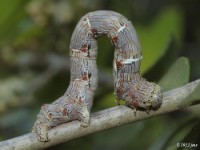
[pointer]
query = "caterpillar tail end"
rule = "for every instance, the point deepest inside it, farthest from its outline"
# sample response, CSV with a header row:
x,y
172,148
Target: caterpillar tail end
x,y
41,126
84,117
41,131
52,115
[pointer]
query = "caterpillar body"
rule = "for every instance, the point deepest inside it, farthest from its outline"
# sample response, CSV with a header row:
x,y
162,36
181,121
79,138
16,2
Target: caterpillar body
x,y
128,84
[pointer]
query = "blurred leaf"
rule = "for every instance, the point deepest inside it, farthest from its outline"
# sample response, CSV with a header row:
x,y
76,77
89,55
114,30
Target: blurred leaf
x,y
164,62
107,101
14,93
194,95
105,54
13,117
13,12
193,137
17,122
155,38
177,75
30,34
112,139
7,8
175,135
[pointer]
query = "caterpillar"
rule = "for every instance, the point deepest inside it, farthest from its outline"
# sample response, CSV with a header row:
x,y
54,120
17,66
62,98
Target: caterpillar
x,y
129,86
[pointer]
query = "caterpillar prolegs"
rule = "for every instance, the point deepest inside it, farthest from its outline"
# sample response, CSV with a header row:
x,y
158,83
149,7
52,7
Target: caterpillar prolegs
x,y
128,84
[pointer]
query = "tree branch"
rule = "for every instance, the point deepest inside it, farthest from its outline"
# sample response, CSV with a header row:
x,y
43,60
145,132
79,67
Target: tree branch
x,y
179,98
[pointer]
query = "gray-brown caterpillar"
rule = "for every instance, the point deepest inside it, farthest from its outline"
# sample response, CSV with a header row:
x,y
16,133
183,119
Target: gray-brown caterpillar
x,y
128,84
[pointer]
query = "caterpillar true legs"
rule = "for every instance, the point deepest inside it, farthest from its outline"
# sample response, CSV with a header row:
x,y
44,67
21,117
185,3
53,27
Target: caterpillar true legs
x,y
128,84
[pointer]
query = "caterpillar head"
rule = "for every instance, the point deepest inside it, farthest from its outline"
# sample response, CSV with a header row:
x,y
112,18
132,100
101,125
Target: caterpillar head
x,y
156,99
151,97
144,96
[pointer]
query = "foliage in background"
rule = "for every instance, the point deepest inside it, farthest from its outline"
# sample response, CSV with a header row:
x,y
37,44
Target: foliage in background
x,y
34,39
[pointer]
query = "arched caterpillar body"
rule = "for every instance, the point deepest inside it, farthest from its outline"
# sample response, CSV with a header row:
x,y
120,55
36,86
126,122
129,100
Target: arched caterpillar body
x,y
128,84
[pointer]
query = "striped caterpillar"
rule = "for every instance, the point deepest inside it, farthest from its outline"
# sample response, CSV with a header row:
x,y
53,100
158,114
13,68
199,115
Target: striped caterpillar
x,y
128,84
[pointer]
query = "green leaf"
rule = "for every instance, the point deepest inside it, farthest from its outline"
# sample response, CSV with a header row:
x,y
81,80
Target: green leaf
x,y
154,38
193,137
175,135
177,75
7,8
158,70
29,34
194,96
107,101
13,13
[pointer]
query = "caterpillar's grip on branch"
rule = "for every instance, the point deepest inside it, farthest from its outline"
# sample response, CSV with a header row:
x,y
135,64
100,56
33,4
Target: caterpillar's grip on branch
x,y
128,84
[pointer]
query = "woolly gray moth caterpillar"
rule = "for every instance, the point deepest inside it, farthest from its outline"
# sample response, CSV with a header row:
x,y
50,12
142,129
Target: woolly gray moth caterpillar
x,y
128,84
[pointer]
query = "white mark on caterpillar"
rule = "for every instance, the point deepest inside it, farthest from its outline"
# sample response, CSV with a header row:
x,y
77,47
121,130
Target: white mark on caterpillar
x,y
88,22
121,28
75,50
129,61
129,86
